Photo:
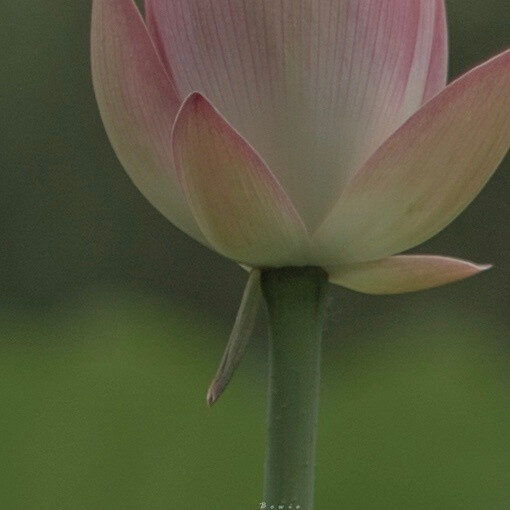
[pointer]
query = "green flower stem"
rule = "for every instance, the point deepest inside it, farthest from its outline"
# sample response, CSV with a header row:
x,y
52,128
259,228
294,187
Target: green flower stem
x,y
295,300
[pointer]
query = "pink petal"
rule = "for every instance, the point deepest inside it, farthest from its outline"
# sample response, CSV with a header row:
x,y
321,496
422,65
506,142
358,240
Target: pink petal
x,y
438,67
138,105
403,273
311,84
152,28
239,205
426,173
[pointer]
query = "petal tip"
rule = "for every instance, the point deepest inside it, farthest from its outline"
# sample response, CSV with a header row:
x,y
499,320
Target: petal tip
x,y
196,105
194,98
196,101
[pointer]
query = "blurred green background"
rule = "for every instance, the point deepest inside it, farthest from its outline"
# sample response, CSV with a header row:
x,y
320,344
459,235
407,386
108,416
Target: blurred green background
x,y
112,323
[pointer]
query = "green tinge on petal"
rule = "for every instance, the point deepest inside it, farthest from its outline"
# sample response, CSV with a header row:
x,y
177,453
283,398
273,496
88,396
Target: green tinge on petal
x,y
237,202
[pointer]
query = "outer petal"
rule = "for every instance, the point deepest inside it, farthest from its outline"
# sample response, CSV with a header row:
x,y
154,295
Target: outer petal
x,y
138,105
426,173
315,86
237,202
404,273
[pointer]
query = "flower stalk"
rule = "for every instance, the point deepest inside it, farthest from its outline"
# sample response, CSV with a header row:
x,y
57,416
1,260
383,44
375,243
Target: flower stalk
x,y
295,299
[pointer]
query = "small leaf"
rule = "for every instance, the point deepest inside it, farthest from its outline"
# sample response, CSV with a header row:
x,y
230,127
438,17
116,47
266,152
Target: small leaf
x,y
239,338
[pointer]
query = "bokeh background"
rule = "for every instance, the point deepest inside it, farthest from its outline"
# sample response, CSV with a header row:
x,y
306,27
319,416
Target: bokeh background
x,y
112,323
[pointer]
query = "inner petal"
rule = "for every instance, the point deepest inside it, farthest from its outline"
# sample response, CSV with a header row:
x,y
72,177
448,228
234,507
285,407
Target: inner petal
x,y
315,86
